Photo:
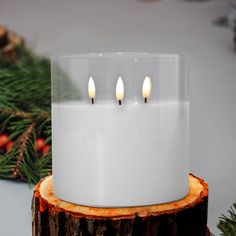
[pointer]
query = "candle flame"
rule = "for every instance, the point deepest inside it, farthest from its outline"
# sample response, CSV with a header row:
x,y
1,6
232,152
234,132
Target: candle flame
x,y
147,87
119,89
91,88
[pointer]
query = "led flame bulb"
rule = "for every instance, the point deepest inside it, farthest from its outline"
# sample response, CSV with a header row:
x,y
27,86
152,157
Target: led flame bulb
x,y
119,90
146,88
91,89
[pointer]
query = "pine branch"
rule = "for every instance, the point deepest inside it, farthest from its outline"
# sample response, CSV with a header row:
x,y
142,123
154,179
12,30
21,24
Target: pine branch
x,y
7,164
43,165
27,81
24,143
227,224
25,103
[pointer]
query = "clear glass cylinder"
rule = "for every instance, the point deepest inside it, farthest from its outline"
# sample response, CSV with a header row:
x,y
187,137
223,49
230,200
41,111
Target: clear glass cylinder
x,y
120,128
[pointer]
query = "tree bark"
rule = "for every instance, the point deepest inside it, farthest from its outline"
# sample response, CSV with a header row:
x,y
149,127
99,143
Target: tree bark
x,y
185,217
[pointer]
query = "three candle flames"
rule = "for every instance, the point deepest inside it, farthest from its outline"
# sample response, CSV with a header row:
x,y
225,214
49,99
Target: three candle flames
x,y
146,89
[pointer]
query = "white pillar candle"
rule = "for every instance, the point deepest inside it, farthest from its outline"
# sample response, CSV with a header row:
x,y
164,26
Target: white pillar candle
x,y
120,129
110,155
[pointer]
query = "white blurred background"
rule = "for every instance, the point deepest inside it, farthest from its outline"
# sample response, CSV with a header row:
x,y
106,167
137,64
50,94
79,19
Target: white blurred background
x,y
52,26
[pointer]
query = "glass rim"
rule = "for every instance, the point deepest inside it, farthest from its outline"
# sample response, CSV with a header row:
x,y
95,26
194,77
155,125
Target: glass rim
x,y
118,55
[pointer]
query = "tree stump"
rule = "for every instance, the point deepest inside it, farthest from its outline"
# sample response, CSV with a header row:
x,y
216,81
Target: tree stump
x,y
185,217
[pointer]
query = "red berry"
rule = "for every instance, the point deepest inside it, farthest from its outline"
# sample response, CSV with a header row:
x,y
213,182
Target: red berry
x,y
9,146
4,138
40,143
45,149
208,233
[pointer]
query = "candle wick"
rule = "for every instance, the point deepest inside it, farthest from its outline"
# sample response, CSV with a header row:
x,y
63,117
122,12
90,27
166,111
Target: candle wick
x,y
119,102
145,100
92,100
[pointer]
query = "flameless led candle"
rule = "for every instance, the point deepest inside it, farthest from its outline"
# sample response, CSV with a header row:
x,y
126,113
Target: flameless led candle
x,y
119,90
146,88
91,89
130,147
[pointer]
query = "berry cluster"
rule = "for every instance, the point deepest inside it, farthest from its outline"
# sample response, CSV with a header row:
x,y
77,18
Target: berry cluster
x,y
6,145
42,146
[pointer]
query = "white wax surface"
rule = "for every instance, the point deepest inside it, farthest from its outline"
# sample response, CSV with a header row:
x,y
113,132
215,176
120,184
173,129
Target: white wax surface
x,y
129,155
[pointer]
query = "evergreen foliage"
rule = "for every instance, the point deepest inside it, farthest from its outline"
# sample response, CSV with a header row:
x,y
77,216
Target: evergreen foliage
x,y
25,100
227,224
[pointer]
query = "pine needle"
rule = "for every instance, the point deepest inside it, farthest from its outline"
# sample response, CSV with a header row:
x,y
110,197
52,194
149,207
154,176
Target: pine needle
x,y
25,104
227,224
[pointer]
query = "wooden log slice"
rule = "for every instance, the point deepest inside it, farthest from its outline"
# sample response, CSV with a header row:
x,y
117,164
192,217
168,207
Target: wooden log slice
x,y
185,217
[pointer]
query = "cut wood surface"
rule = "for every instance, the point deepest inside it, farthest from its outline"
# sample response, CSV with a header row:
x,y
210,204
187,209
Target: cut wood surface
x,y
185,217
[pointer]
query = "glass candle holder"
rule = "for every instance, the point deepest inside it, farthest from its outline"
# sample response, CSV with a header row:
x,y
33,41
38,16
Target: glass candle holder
x,y
120,128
